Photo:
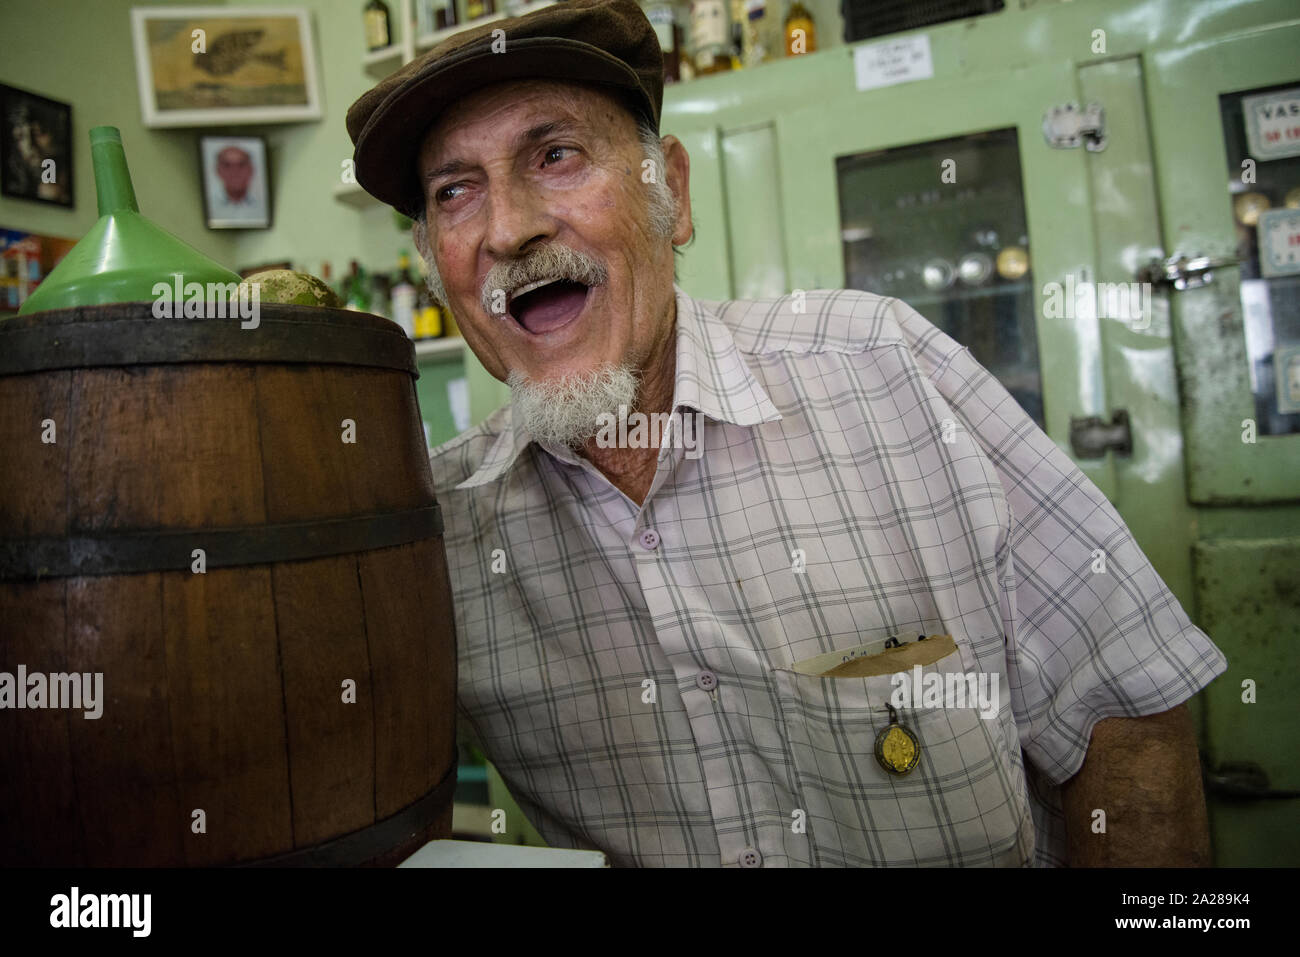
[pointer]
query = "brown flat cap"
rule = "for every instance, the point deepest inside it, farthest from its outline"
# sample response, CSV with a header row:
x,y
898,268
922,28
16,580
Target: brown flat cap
x,y
586,41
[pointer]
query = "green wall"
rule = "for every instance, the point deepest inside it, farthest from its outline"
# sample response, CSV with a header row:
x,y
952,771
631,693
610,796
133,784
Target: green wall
x,y
80,52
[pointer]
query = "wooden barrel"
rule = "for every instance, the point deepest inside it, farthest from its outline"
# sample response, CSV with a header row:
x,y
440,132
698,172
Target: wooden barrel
x,y
235,527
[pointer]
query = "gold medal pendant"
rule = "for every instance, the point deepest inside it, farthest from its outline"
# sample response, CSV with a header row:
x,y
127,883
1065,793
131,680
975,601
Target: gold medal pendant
x,y
897,749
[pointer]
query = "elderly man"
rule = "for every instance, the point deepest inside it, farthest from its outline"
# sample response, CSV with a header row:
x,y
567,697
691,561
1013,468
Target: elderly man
x,y
689,648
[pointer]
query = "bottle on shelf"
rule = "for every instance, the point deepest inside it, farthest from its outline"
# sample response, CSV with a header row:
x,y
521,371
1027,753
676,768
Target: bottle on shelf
x,y
764,32
474,9
380,295
662,15
739,42
428,317
358,289
327,276
428,312
445,14
800,31
379,32
711,36
425,18
404,296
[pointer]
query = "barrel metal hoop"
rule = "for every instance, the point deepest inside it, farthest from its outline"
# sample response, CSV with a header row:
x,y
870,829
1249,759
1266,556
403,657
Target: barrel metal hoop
x,y
358,847
67,340
166,550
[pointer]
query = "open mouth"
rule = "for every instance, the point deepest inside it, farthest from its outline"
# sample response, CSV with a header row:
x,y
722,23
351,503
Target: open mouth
x,y
548,304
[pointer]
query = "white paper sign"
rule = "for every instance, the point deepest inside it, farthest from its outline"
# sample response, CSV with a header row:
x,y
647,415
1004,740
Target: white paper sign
x,y
458,399
1279,242
1272,124
893,61
1286,371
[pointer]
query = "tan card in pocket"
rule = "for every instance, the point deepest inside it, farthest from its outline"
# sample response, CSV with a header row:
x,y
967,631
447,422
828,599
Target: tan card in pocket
x,y
893,660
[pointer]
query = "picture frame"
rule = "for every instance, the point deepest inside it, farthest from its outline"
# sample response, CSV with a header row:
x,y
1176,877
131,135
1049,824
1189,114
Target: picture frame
x,y
36,161
210,66
236,180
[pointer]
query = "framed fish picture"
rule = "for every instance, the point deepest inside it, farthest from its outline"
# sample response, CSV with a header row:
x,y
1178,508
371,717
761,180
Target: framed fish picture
x,y
204,66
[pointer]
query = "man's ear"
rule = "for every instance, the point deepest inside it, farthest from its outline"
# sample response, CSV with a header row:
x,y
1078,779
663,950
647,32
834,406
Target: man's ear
x,y
679,181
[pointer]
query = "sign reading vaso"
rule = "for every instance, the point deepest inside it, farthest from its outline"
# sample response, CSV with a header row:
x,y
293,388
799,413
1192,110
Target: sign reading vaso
x,y
1273,124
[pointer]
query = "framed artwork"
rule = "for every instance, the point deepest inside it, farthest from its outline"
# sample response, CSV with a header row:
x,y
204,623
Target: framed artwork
x,y
35,147
236,182
206,66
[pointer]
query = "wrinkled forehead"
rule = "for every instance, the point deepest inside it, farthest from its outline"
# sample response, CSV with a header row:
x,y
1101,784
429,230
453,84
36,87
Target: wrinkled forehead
x,y
499,112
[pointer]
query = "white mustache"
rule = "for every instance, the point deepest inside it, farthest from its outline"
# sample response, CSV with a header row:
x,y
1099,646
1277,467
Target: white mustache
x,y
552,261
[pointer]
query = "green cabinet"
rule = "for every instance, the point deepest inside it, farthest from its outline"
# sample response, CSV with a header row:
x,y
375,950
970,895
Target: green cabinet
x,y
1104,141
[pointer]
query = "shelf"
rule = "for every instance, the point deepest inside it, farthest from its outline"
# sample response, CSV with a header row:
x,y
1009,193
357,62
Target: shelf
x,y
450,346
353,195
379,63
430,40
959,294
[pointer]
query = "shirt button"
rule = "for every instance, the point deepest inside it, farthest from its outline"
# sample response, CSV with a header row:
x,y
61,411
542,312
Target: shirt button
x,y
650,539
750,858
706,680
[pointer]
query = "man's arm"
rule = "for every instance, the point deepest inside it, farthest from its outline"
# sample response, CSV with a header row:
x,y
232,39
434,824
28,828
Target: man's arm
x,y
1146,775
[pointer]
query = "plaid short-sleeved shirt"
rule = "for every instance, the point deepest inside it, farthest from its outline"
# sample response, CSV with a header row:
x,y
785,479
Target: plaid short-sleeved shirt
x,y
635,673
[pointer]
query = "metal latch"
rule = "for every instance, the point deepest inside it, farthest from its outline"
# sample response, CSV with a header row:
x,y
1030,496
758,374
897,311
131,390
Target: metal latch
x,y
1184,272
1066,127
1240,779
1091,437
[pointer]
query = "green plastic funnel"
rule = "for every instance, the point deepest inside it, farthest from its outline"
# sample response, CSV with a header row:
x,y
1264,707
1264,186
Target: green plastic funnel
x,y
124,255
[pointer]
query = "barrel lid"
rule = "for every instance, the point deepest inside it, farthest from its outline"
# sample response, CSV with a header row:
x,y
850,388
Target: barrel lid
x,y
129,334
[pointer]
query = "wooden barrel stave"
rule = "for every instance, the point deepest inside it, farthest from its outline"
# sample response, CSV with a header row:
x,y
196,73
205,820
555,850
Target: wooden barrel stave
x,y
224,689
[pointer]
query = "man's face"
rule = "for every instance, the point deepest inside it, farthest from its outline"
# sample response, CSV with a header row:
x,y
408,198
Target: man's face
x,y
524,165
235,167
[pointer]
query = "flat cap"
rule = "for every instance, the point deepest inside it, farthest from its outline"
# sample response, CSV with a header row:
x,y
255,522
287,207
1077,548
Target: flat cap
x,y
585,41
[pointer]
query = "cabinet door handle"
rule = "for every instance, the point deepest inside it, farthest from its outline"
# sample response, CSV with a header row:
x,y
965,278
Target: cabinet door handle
x,y
1090,437
1184,272
1240,779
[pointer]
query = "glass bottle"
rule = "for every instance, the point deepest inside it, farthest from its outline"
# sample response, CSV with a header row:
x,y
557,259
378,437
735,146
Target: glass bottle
x,y
380,288
764,32
711,36
404,296
662,15
424,17
428,312
378,25
800,31
358,289
445,14
428,321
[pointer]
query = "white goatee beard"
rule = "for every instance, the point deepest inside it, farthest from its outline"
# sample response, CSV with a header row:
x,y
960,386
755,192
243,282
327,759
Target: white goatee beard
x,y
567,410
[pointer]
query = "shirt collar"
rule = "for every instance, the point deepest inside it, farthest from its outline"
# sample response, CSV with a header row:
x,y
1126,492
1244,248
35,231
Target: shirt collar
x,y
711,377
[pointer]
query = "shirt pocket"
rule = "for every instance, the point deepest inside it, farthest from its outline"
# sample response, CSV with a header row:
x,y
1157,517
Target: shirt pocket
x,y
965,802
